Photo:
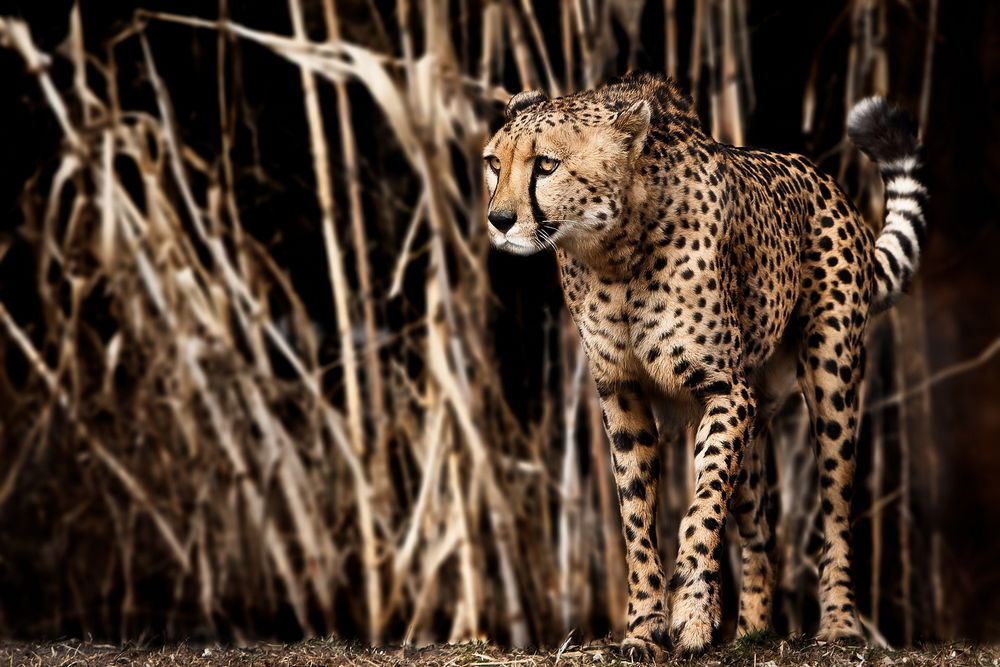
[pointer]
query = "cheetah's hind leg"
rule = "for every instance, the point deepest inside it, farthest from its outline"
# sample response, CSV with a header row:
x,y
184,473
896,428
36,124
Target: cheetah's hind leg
x,y
750,507
832,367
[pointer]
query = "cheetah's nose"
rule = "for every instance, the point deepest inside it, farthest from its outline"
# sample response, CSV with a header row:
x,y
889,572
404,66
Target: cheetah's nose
x,y
502,220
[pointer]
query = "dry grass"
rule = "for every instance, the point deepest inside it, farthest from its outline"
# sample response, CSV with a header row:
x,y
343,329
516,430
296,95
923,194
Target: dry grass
x,y
192,431
765,652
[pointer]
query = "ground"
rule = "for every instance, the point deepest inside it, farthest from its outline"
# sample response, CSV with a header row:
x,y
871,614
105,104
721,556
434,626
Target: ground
x,y
759,652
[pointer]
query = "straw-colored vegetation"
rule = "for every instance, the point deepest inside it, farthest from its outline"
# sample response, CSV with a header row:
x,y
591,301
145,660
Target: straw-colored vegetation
x,y
766,652
214,460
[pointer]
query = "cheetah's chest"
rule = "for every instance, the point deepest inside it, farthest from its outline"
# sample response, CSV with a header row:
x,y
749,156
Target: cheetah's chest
x,y
624,327
602,315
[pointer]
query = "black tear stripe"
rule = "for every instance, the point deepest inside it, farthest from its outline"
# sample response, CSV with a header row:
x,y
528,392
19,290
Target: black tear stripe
x,y
536,210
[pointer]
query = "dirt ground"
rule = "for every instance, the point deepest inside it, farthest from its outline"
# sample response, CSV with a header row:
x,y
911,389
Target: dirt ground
x,y
769,652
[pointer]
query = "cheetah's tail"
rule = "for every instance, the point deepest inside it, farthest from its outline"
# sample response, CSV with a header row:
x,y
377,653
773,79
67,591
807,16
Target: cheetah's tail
x,y
887,135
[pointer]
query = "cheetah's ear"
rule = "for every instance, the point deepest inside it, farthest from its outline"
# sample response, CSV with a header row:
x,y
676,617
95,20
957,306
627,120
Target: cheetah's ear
x,y
522,101
634,124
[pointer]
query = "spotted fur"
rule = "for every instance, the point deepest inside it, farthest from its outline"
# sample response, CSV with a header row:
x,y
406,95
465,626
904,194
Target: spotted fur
x,y
708,282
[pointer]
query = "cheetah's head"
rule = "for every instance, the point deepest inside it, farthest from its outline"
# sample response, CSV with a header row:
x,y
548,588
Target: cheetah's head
x,y
556,171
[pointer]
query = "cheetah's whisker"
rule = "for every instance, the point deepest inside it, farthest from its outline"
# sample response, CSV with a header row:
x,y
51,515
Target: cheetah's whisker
x,y
547,240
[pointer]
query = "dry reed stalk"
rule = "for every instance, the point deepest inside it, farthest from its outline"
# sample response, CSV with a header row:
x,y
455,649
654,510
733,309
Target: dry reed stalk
x,y
742,29
712,60
570,493
522,52
584,41
670,32
492,26
730,108
254,500
253,496
227,129
701,8
19,36
338,281
373,367
453,382
406,551
566,27
877,491
543,52
466,621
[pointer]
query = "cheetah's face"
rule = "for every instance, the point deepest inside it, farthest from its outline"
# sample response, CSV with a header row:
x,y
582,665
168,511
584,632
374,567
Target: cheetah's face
x,y
555,178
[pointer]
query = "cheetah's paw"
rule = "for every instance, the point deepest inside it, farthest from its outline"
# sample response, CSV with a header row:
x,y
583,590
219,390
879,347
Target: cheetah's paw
x,y
841,633
642,649
693,637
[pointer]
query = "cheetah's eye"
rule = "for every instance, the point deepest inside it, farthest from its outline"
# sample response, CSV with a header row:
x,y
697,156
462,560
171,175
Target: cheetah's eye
x,y
494,162
545,165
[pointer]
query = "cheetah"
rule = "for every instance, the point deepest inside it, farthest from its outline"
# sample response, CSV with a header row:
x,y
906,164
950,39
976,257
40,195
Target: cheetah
x,y
708,282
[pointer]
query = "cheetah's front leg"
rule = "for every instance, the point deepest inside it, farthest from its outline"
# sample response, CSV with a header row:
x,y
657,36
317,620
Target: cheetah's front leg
x,y
636,460
722,436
